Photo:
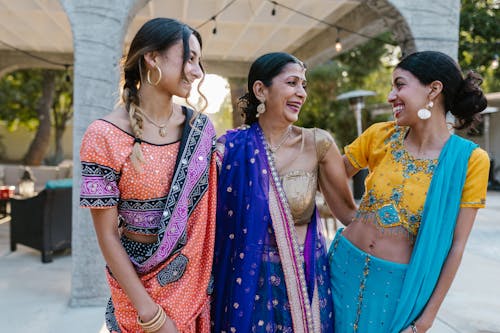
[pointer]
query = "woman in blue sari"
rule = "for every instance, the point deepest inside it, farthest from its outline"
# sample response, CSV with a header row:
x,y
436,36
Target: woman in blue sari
x,y
270,264
392,266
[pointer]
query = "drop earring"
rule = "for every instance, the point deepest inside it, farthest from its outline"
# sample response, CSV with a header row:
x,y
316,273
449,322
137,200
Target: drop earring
x,y
425,112
261,108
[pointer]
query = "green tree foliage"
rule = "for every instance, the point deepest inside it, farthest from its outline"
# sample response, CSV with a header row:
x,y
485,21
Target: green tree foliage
x,y
479,40
19,95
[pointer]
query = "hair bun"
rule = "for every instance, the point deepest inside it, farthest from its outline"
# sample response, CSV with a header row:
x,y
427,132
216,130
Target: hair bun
x,y
469,99
471,83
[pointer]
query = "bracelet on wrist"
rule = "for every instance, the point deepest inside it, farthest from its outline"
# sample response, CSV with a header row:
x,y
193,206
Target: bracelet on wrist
x,y
155,323
413,327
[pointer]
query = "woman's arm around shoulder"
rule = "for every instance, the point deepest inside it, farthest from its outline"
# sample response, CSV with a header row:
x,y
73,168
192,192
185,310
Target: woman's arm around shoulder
x,y
332,178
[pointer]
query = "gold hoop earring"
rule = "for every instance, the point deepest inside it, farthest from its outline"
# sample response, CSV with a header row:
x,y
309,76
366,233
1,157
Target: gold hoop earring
x,y
148,76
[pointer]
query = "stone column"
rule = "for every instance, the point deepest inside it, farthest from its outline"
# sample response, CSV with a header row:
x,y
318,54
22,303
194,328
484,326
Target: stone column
x,y
434,25
99,29
422,25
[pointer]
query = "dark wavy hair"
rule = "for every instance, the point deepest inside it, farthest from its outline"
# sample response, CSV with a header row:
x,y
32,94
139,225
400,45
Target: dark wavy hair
x,y
463,97
265,68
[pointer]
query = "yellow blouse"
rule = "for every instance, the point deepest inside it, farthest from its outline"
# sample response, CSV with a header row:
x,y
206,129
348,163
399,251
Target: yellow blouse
x,y
397,184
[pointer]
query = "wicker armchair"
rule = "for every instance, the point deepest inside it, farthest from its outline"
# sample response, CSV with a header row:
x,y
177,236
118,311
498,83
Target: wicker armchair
x,y
42,222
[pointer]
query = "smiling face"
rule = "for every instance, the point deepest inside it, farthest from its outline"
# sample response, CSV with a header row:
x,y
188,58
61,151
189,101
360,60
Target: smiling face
x,y
171,64
286,94
407,96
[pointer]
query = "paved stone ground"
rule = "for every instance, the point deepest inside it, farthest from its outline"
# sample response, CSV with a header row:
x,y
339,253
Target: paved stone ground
x,y
34,297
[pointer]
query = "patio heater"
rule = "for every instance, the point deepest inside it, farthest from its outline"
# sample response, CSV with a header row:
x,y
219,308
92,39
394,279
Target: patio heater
x,y
356,104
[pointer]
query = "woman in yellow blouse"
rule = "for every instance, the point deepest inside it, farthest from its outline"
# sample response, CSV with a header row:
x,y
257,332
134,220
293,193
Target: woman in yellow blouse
x,y
392,266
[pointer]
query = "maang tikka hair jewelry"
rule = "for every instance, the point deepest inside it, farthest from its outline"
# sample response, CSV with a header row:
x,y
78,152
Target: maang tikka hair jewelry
x,y
425,113
261,108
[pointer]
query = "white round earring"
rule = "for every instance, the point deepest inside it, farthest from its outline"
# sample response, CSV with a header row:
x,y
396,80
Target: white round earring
x,y
425,113
261,108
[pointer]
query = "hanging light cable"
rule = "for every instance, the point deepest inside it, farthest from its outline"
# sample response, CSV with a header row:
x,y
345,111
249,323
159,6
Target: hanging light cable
x,y
278,4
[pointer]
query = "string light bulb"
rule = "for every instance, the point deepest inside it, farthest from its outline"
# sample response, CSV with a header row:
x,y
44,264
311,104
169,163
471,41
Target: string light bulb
x,y
67,77
214,30
338,44
273,11
494,63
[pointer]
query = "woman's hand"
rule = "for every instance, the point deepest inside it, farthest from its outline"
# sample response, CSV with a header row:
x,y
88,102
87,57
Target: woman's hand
x,y
418,328
407,330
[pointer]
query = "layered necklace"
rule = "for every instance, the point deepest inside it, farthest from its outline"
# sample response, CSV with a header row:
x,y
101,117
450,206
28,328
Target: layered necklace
x,y
162,128
273,149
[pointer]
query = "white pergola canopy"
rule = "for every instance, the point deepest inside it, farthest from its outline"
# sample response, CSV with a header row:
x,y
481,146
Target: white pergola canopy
x,y
245,29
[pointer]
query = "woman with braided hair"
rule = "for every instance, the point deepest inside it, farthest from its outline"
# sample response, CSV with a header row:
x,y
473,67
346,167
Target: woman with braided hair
x,y
149,178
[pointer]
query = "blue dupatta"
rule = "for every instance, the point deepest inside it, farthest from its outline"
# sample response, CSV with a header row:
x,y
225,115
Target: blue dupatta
x,y
435,235
247,207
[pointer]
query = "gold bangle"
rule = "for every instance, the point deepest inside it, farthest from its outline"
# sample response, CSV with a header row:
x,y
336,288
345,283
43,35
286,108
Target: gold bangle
x,y
155,317
155,323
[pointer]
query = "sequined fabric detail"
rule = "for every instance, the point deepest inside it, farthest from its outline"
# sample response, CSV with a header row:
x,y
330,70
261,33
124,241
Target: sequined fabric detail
x,y
173,271
111,323
138,251
410,164
397,199
366,272
323,142
99,186
388,215
300,189
145,214
366,289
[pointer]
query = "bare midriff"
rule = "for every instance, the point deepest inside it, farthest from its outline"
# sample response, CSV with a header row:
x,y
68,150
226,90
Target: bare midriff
x,y
380,243
141,238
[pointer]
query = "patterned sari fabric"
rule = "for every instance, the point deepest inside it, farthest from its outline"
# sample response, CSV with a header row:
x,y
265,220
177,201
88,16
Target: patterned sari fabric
x,y
263,280
173,198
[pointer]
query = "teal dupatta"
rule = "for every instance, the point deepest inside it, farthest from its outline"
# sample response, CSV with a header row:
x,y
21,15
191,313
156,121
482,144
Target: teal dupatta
x,y
435,235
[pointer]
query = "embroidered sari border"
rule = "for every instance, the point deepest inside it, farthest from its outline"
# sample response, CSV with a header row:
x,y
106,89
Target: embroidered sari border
x,y
288,246
189,184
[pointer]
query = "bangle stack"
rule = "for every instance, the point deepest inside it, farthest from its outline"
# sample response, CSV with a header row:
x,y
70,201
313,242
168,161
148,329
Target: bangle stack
x,y
413,327
154,324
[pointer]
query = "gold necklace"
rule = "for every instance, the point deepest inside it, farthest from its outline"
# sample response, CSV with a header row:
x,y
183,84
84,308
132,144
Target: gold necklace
x,y
274,149
162,129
